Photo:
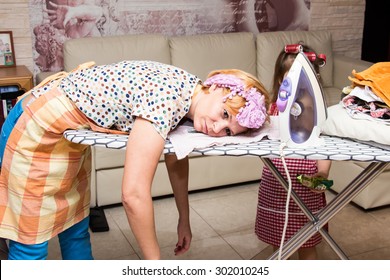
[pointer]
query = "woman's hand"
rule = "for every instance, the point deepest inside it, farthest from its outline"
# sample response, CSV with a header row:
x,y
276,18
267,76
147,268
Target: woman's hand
x,y
178,171
184,238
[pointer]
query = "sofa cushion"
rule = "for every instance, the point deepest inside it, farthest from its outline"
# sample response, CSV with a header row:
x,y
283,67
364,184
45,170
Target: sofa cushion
x,y
111,49
333,95
376,194
269,45
200,54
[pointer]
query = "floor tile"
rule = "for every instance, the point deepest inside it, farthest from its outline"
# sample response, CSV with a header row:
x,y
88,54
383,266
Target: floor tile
x,y
223,191
245,243
357,233
214,248
107,245
378,254
222,221
229,213
382,215
166,218
111,244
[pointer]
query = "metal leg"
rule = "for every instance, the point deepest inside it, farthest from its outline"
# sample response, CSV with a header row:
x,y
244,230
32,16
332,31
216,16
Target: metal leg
x,y
330,210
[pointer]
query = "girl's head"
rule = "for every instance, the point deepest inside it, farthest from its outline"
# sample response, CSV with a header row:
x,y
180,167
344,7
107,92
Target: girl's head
x,y
243,99
283,64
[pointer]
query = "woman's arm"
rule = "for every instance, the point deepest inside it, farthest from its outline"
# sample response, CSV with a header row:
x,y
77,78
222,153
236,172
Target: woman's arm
x,y
178,171
143,152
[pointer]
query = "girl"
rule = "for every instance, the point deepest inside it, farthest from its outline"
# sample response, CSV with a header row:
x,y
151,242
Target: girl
x,y
272,196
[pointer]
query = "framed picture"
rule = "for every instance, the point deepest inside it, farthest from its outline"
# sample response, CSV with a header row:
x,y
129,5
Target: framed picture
x,y
7,53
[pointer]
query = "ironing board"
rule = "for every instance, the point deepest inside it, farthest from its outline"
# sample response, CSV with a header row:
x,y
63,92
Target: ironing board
x,y
335,148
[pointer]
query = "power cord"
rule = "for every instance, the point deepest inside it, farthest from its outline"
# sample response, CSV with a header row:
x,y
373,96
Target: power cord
x,y
282,157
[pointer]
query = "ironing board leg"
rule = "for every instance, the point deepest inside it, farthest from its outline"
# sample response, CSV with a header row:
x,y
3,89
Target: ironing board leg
x,y
305,210
335,206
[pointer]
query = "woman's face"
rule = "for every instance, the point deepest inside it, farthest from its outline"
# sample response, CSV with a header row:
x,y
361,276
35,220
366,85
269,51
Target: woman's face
x,y
212,117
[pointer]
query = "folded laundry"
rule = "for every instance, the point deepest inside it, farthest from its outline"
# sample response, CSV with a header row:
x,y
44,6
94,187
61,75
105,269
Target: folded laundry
x,y
377,77
362,103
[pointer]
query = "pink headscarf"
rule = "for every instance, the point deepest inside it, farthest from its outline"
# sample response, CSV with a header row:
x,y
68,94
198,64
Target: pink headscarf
x,y
254,113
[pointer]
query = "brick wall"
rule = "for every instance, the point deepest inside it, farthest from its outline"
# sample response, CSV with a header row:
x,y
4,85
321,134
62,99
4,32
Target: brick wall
x,y
344,18
14,17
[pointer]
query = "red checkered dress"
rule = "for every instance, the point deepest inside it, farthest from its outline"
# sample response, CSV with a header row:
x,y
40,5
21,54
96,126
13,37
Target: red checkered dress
x,y
272,203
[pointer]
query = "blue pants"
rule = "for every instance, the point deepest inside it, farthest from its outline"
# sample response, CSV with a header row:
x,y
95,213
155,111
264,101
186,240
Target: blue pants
x,y
75,241
75,245
8,125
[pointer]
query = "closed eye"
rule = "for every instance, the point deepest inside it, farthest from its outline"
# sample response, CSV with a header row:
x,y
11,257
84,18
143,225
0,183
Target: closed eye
x,y
228,132
226,116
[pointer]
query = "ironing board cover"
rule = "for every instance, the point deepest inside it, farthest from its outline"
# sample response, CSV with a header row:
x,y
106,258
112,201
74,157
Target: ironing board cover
x,y
335,148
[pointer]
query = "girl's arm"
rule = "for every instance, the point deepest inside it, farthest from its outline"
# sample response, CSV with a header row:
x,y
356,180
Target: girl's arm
x,y
143,152
323,167
178,171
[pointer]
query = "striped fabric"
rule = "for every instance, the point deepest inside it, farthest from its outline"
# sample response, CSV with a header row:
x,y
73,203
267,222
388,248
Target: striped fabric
x,y
44,182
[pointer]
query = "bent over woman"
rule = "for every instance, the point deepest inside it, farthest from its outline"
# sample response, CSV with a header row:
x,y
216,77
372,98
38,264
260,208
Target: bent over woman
x,y
44,182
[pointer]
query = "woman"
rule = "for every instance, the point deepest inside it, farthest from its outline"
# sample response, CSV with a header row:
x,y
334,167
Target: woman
x,y
47,177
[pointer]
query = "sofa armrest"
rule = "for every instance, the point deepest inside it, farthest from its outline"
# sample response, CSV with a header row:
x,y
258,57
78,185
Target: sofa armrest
x,y
342,68
42,75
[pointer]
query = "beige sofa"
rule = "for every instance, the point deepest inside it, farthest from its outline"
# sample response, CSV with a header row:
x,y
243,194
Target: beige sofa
x,y
199,54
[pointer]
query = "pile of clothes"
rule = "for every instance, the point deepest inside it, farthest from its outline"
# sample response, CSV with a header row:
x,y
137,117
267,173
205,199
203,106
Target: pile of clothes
x,y
363,114
369,95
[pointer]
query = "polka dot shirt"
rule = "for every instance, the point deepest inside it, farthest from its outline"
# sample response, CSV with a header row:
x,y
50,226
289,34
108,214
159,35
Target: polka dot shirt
x,y
114,95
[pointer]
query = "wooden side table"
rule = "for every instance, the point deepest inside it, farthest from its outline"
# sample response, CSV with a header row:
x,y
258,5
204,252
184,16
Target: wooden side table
x,y
18,75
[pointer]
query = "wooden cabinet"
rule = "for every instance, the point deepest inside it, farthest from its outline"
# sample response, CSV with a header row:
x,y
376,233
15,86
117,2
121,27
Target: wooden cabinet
x,y
18,75
14,81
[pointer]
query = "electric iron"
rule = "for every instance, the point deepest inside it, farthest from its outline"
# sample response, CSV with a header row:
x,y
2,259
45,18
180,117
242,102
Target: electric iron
x,y
301,105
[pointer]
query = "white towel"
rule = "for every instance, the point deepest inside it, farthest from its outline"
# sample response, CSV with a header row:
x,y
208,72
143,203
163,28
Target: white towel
x,y
185,139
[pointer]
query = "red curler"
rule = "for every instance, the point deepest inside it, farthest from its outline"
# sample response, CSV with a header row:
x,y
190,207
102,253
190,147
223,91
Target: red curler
x,y
293,48
311,56
322,58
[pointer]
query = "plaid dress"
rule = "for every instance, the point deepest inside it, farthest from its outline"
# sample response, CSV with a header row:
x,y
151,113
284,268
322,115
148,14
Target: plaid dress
x,y
272,198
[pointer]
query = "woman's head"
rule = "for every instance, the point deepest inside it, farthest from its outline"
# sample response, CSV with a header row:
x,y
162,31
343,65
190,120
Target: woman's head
x,y
239,97
283,64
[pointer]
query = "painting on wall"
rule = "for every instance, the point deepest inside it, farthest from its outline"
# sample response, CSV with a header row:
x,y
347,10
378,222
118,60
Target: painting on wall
x,y
271,15
7,53
55,21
